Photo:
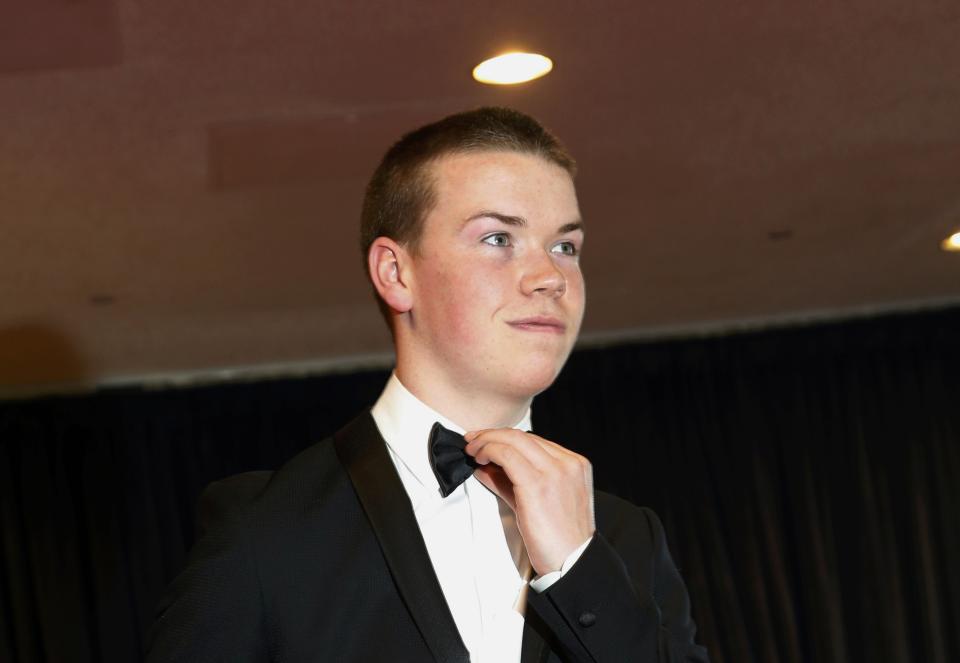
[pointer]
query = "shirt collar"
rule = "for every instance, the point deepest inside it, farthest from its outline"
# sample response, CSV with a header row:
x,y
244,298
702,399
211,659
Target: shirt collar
x,y
405,422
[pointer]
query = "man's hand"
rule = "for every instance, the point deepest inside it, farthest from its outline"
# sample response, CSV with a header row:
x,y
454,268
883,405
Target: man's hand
x,y
549,488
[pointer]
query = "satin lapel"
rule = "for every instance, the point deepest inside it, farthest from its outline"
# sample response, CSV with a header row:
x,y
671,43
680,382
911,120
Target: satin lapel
x,y
534,648
364,454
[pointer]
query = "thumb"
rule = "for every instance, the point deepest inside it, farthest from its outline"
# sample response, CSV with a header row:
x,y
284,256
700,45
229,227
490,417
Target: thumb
x,y
496,480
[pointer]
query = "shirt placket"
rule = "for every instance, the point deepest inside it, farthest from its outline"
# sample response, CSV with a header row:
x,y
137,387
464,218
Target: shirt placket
x,y
498,584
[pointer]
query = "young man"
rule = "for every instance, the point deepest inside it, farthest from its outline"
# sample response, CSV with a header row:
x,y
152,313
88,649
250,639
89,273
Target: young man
x,y
436,527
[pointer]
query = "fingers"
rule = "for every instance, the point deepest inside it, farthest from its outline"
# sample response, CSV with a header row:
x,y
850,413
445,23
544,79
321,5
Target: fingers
x,y
497,482
520,436
520,459
553,448
549,488
525,457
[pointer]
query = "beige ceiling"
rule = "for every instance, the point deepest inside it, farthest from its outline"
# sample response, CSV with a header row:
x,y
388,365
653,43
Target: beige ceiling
x,y
180,181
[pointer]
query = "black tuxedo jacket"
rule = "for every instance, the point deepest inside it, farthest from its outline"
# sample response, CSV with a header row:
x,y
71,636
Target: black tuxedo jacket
x,y
323,561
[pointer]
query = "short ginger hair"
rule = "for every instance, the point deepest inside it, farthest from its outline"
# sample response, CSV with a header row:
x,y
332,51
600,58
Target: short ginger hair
x,y
401,193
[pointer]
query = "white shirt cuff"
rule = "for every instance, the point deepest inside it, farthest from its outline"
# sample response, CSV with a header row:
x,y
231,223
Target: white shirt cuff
x,y
542,583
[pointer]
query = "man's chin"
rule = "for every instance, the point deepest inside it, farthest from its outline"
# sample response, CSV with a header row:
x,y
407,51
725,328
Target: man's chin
x,y
533,380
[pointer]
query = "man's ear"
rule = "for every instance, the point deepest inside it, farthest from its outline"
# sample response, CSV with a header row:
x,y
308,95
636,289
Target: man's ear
x,y
387,266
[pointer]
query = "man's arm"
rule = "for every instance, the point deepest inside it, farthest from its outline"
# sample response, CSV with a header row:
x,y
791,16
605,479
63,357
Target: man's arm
x,y
213,610
600,612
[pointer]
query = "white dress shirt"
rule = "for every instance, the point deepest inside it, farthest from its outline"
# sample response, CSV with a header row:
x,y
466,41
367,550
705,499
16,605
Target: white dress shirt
x,y
471,535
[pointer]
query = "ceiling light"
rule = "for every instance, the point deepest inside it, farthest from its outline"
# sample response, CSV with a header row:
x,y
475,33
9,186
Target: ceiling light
x,y
951,243
512,68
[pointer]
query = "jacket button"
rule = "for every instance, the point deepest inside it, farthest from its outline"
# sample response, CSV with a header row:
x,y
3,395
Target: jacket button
x,y
587,619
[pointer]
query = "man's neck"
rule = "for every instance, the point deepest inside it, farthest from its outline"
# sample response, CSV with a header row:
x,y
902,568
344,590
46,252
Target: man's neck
x,y
471,409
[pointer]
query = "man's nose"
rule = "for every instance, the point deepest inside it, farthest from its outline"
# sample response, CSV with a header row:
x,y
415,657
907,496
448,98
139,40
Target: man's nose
x,y
543,276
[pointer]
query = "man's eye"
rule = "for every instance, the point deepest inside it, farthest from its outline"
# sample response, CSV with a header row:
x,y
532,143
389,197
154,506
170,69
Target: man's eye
x,y
497,239
566,248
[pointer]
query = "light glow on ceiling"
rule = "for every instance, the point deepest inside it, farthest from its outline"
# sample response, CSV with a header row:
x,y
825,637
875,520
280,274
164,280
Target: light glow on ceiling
x,y
512,68
951,243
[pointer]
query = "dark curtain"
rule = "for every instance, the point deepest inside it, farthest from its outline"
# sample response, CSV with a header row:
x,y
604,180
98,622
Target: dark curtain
x,y
807,478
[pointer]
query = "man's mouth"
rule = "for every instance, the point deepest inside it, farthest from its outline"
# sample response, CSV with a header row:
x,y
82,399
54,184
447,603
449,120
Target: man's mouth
x,y
539,323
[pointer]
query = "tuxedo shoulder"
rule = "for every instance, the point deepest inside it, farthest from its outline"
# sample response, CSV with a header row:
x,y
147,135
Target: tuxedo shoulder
x,y
624,523
307,482
247,487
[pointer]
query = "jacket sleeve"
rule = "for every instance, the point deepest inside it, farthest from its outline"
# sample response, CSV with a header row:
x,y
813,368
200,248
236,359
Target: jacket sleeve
x,y
602,611
213,611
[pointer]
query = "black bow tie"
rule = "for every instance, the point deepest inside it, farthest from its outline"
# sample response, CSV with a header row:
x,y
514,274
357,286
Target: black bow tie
x,y
451,464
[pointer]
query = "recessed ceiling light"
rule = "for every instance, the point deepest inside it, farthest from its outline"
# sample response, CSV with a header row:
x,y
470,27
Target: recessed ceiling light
x,y
951,243
512,68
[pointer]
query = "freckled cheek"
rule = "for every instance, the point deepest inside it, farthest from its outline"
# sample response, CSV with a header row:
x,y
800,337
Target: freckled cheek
x,y
575,284
473,308
574,277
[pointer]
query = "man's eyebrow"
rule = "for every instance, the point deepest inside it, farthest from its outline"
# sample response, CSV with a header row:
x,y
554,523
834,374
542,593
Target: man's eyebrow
x,y
512,220
570,227
503,218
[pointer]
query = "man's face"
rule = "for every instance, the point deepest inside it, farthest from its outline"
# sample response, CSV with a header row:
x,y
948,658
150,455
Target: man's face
x,y
498,296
